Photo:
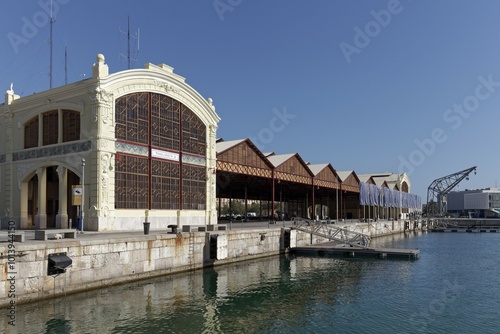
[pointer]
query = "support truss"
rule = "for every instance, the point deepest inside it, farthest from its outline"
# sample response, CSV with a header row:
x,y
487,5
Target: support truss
x,y
354,239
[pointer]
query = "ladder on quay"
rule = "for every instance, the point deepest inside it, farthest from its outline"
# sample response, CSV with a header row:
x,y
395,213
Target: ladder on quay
x,y
332,233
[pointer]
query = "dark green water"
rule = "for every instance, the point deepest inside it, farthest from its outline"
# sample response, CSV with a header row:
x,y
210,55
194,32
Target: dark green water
x,y
454,287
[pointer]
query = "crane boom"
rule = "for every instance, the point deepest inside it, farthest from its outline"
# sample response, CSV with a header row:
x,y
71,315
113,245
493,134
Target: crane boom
x,y
439,188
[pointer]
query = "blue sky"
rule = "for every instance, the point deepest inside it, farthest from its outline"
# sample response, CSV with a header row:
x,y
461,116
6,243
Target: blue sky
x,y
370,86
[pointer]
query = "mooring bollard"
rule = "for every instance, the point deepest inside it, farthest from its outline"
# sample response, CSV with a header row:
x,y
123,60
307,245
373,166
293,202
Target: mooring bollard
x,y
146,227
146,223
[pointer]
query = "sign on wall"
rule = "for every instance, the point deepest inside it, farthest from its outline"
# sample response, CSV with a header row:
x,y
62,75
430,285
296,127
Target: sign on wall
x,y
77,193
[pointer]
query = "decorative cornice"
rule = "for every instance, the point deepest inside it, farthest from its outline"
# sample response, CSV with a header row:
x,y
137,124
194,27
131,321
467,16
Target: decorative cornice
x,y
131,149
52,151
193,160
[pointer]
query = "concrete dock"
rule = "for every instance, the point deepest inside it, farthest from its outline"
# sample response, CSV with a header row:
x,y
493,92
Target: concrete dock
x,y
468,230
465,225
348,251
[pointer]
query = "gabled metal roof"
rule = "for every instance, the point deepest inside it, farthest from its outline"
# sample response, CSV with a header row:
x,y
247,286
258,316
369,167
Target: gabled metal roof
x,y
390,179
344,174
222,146
366,178
317,168
350,180
279,159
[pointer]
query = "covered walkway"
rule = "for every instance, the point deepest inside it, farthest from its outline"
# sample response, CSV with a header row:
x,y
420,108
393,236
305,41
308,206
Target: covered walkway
x,y
285,186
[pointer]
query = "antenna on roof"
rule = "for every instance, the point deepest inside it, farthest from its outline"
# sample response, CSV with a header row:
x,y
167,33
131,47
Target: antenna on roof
x,y
65,65
51,44
129,52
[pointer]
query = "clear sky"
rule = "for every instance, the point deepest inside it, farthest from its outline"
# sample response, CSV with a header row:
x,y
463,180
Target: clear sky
x,y
369,86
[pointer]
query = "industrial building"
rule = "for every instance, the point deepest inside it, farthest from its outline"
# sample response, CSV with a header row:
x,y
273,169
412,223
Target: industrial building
x,y
117,149
474,203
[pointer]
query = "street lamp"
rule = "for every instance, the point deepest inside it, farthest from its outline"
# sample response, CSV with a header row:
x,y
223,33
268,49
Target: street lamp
x,y
83,194
337,204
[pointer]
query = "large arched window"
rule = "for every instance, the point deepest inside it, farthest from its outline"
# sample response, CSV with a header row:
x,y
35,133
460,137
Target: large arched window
x,y
70,128
31,133
50,127
132,183
163,133
71,125
132,118
165,184
165,122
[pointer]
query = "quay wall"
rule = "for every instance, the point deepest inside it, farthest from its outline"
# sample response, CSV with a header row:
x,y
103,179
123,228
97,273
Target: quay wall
x,y
386,227
469,222
102,262
173,291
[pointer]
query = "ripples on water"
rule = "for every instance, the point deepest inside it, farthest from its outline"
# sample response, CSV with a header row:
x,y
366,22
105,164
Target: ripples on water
x,y
452,288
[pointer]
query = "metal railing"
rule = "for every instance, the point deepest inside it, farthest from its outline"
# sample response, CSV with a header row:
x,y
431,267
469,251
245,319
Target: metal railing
x,y
331,232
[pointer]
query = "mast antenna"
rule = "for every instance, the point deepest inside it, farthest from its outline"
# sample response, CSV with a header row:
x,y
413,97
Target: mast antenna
x,y
51,45
131,55
65,65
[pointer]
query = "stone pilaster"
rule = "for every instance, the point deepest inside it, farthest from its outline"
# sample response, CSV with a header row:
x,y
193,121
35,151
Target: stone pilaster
x,y
41,214
25,222
102,198
211,176
62,215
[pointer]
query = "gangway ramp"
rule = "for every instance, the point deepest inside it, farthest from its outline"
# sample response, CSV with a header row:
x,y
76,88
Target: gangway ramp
x,y
332,233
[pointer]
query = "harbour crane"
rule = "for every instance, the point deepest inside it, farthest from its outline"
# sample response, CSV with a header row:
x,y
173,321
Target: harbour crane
x,y
439,188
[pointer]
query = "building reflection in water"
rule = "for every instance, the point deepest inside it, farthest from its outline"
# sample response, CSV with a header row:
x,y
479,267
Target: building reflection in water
x,y
250,295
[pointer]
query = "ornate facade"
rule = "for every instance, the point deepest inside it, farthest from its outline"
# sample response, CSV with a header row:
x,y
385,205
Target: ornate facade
x,y
141,141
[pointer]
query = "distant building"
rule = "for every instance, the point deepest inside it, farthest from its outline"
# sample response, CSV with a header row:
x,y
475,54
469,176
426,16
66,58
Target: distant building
x,y
479,203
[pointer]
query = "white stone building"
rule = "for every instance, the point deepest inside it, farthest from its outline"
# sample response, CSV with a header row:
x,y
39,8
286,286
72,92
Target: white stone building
x,y
142,141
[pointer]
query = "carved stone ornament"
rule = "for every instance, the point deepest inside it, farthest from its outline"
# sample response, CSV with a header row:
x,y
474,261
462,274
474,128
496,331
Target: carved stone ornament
x,y
101,99
22,169
167,87
60,172
7,125
105,211
8,119
105,166
103,96
93,212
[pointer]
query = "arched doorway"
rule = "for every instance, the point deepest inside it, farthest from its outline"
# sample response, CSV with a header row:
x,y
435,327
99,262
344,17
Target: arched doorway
x,y
52,196
46,198
32,202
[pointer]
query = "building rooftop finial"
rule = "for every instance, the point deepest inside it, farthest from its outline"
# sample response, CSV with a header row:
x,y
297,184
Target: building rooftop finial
x,y
100,69
9,95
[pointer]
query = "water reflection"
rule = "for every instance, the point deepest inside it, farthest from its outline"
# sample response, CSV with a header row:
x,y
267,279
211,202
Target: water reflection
x,y
287,294
254,295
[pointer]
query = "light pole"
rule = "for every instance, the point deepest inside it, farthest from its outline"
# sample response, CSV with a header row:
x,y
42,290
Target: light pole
x,y
83,194
337,205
